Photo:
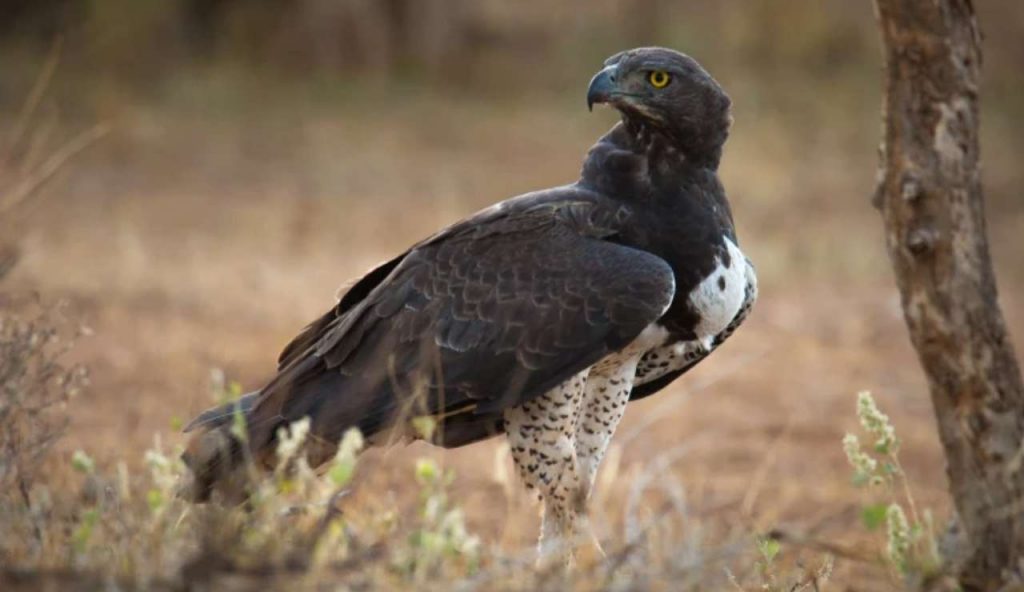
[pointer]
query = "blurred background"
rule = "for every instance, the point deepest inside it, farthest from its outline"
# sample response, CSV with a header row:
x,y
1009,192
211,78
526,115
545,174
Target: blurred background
x,y
198,177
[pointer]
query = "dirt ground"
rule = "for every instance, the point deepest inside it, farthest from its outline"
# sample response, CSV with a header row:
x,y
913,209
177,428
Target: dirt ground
x,y
189,244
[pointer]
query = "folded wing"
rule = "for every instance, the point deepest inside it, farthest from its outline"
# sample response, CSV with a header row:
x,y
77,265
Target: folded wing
x,y
483,317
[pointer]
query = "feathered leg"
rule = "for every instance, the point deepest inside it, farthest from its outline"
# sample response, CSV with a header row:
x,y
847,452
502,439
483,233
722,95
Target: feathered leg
x,y
604,403
607,391
541,436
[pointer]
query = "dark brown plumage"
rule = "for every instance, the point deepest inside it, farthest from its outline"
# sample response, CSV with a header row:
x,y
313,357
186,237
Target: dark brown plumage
x,y
629,276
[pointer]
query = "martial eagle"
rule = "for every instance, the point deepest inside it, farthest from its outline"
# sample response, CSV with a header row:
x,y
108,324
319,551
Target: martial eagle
x,y
539,317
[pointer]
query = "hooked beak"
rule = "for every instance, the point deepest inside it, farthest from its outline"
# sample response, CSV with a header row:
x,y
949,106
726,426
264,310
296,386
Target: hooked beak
x,y
602,87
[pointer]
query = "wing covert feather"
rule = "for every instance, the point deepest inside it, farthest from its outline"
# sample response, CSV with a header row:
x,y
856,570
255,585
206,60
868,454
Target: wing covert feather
x,y
491,314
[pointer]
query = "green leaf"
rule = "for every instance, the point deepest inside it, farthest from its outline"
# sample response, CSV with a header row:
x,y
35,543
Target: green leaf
x,y
239,428
286,485
873,516
82,463
341,472
769,548
426,471
154,499
424,426
83,532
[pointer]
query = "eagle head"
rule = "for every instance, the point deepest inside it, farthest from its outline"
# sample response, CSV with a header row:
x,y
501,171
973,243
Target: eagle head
x,y
667,91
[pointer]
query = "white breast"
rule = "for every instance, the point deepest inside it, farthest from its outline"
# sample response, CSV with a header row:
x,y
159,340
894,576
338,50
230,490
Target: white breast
x,y
720,295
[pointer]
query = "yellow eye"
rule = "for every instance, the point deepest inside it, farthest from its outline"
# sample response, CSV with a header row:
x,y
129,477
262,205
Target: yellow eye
x,y
659,78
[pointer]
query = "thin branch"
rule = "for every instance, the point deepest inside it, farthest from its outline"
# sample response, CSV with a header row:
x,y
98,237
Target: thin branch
x,y
28,110
800,539
45,171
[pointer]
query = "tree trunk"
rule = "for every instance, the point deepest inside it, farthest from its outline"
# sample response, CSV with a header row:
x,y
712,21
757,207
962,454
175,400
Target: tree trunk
x,y
930,196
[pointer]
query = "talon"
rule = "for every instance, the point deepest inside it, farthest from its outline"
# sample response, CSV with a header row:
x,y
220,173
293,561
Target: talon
x,y
597,546
589,548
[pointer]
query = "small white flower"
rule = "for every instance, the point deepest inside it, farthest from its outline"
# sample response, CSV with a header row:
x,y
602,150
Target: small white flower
x,y
876,423
899,535
862,463
344,464
291,439
351,443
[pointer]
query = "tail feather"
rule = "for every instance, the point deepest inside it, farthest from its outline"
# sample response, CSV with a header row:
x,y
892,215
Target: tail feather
x,y
219,459
222,415
215,456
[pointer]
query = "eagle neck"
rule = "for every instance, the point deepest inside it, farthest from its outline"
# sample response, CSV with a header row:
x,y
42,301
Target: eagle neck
x,y
638,162
669,149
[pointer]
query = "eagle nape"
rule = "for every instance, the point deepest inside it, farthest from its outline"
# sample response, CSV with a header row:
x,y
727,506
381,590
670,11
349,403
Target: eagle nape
x,y
539,318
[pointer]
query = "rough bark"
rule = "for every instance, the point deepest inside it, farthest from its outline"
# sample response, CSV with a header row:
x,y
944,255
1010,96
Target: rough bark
x,y
930,196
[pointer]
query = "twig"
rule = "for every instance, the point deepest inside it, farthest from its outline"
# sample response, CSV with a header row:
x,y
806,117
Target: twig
x,y
8,258
757,482
800,539
27,498
51,165
661,410
655,469
32,101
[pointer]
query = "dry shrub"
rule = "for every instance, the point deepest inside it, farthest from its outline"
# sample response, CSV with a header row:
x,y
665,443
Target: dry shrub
x,y
113,528
30,158
36,385
300,530
110,527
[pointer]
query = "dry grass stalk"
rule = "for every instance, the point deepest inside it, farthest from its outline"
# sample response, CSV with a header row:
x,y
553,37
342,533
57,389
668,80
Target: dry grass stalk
x,y
26,164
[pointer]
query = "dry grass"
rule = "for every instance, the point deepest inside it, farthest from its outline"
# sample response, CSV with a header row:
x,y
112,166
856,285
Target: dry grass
x,y
190,240
35,389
